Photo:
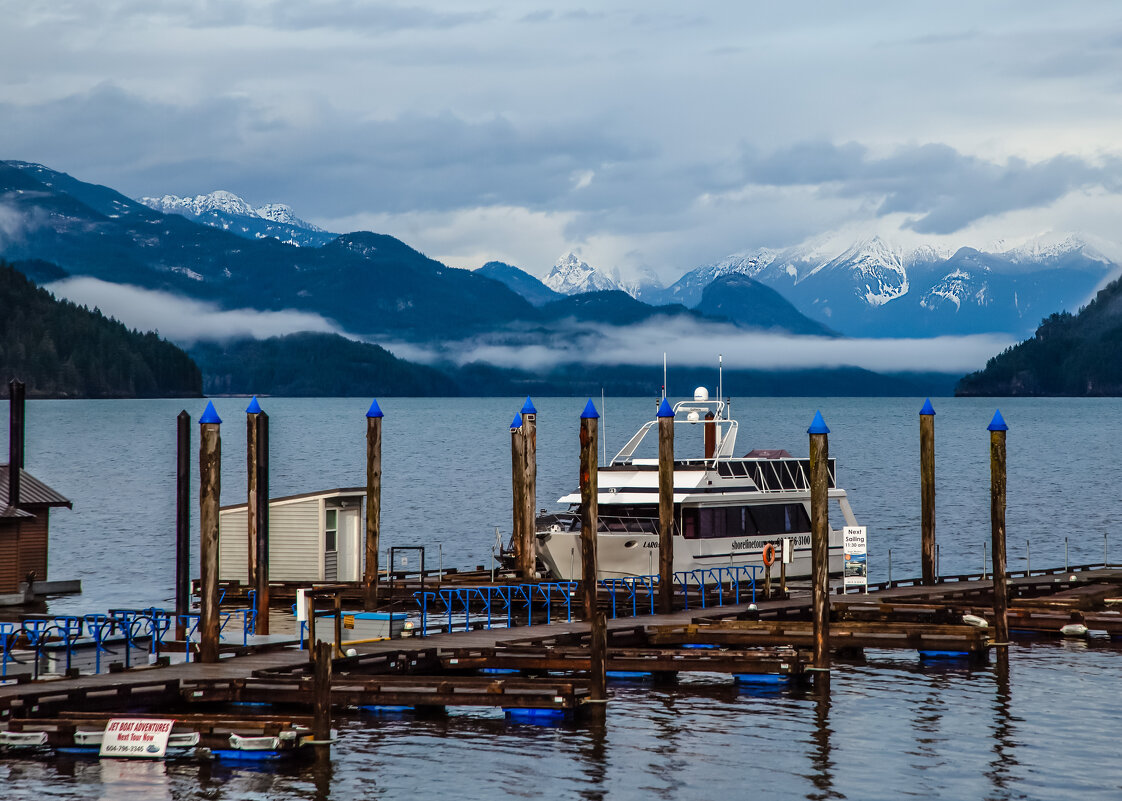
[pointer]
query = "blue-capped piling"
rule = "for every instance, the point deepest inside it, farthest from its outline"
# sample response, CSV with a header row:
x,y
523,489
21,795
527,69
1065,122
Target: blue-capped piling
x,y
210,488
820,538
517,489
998,429
589,523
526,555
927,491
665,507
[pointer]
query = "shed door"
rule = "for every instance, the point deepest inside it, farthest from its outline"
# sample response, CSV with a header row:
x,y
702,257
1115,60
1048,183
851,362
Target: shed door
x,y
349,542
331,546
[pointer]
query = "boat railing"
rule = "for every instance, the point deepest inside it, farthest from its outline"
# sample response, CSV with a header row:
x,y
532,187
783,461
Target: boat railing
x,y
775,475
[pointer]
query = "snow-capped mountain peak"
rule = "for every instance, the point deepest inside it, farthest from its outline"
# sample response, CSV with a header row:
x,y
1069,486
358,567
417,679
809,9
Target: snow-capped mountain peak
x,y
571,276
226,203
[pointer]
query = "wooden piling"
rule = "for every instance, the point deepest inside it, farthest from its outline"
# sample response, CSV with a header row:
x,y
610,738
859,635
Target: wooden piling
x,y
526,555
589,523
710,436
251,474
16,401
517,488
373,505
182,522
927,491
598,657
321,684
210,485
665,507
997,429
820,538
589,511
261,590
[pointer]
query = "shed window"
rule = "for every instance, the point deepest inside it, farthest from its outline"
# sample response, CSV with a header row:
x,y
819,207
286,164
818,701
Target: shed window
x,y
331,533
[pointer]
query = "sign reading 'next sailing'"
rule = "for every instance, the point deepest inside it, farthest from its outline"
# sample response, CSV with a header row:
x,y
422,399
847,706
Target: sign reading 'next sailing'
x,y
855,550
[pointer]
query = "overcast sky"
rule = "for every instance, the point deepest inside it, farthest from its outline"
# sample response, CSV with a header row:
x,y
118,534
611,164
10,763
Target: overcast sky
x,y
646,136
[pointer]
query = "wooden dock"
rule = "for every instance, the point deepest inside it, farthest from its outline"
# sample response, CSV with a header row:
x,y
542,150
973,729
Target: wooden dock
x,y
547,666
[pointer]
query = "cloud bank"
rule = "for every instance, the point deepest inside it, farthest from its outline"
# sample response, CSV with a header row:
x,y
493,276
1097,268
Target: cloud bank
x,y
182,320
697,343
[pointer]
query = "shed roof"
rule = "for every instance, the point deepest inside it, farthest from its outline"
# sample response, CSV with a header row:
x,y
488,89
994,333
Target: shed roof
x,y
344,492
11,512
32,491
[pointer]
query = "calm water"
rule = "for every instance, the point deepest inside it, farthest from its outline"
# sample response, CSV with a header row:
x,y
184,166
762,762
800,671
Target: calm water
x,y
890,728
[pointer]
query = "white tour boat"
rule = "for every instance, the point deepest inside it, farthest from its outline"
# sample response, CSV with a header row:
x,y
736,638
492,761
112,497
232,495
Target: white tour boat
x,y
726,508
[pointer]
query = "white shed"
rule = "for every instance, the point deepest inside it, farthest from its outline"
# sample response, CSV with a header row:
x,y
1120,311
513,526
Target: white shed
x,y
316,536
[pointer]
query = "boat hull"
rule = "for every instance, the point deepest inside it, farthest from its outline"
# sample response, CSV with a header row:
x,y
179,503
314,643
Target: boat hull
x,y
628,554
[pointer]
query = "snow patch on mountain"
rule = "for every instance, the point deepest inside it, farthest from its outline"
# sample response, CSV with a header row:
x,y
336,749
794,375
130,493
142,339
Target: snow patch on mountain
x,y
571,276
227,203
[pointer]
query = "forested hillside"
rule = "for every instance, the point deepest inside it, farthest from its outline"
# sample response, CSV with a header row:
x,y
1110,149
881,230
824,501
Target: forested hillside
x,y
62,350
1069,355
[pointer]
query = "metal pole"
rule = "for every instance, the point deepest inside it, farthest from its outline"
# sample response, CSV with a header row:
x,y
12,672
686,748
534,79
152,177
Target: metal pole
x,y
373,505
927,490
889,567
985,572
210,485
16,395
1028,562
665,507
1066,561
819,538
997,429
182,522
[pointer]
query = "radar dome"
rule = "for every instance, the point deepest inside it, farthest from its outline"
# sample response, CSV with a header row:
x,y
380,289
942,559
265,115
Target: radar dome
x,y
701,394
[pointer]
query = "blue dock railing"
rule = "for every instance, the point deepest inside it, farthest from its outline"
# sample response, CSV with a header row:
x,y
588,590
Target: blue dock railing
x,y
106,634
506,604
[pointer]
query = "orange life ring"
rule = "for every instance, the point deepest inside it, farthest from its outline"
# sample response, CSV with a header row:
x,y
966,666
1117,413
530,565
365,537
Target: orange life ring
x,y
769,555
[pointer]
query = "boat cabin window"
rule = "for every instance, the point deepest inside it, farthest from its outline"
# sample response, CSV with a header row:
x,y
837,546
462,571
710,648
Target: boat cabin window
x,y
767,520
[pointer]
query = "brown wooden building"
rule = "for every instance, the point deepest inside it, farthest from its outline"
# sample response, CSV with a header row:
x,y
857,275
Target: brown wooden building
x,y
23,529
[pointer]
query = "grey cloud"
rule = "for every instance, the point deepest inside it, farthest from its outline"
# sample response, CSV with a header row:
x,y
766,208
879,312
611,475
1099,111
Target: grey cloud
x,y
944,189
410,162
349,15
360,15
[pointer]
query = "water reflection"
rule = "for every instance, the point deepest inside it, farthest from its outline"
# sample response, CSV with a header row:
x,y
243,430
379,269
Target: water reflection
x,y
593,752
134,778
1004,761
821,757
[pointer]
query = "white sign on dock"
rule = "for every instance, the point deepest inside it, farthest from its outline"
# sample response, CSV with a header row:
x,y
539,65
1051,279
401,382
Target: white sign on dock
x,y
136,738
855,554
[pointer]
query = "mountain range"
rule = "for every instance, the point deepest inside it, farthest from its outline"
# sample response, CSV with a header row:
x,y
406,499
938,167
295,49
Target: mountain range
x,y
872,288
368,285
876,289
219,249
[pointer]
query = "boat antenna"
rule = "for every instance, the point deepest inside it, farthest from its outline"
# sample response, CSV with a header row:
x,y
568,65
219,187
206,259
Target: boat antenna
x,y
721,380
603,426
664,375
